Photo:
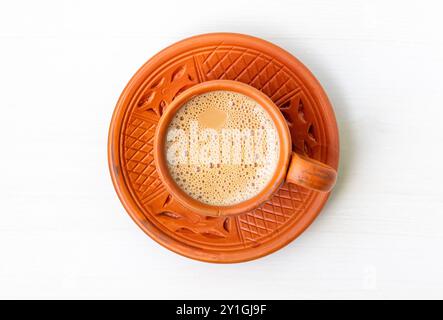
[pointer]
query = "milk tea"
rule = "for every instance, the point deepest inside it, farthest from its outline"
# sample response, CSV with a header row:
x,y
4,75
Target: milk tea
x,y
222,148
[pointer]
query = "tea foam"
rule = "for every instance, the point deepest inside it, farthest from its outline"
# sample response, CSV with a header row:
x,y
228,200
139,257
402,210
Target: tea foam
x,y
233,172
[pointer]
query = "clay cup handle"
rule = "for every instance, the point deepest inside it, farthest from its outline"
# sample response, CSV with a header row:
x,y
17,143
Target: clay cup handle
x,y
310,173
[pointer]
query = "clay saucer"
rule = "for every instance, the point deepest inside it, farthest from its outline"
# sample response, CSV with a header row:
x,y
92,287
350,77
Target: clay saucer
x,y
201,58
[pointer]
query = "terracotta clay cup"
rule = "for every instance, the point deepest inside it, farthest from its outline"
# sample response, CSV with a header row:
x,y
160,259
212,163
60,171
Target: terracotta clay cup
x,y
291,167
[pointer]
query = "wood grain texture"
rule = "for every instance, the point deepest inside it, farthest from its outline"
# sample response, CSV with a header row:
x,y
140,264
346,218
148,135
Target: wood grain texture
x,y
63,232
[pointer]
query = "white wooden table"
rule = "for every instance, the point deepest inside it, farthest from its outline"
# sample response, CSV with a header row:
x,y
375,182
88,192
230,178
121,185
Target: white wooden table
x,y
64,233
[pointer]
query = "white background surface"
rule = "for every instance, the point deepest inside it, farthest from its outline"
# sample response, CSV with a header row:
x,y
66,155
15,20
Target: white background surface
x,y
63,231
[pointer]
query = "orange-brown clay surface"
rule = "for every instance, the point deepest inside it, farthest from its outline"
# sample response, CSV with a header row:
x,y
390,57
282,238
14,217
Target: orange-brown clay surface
x,y
301,170
237,57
